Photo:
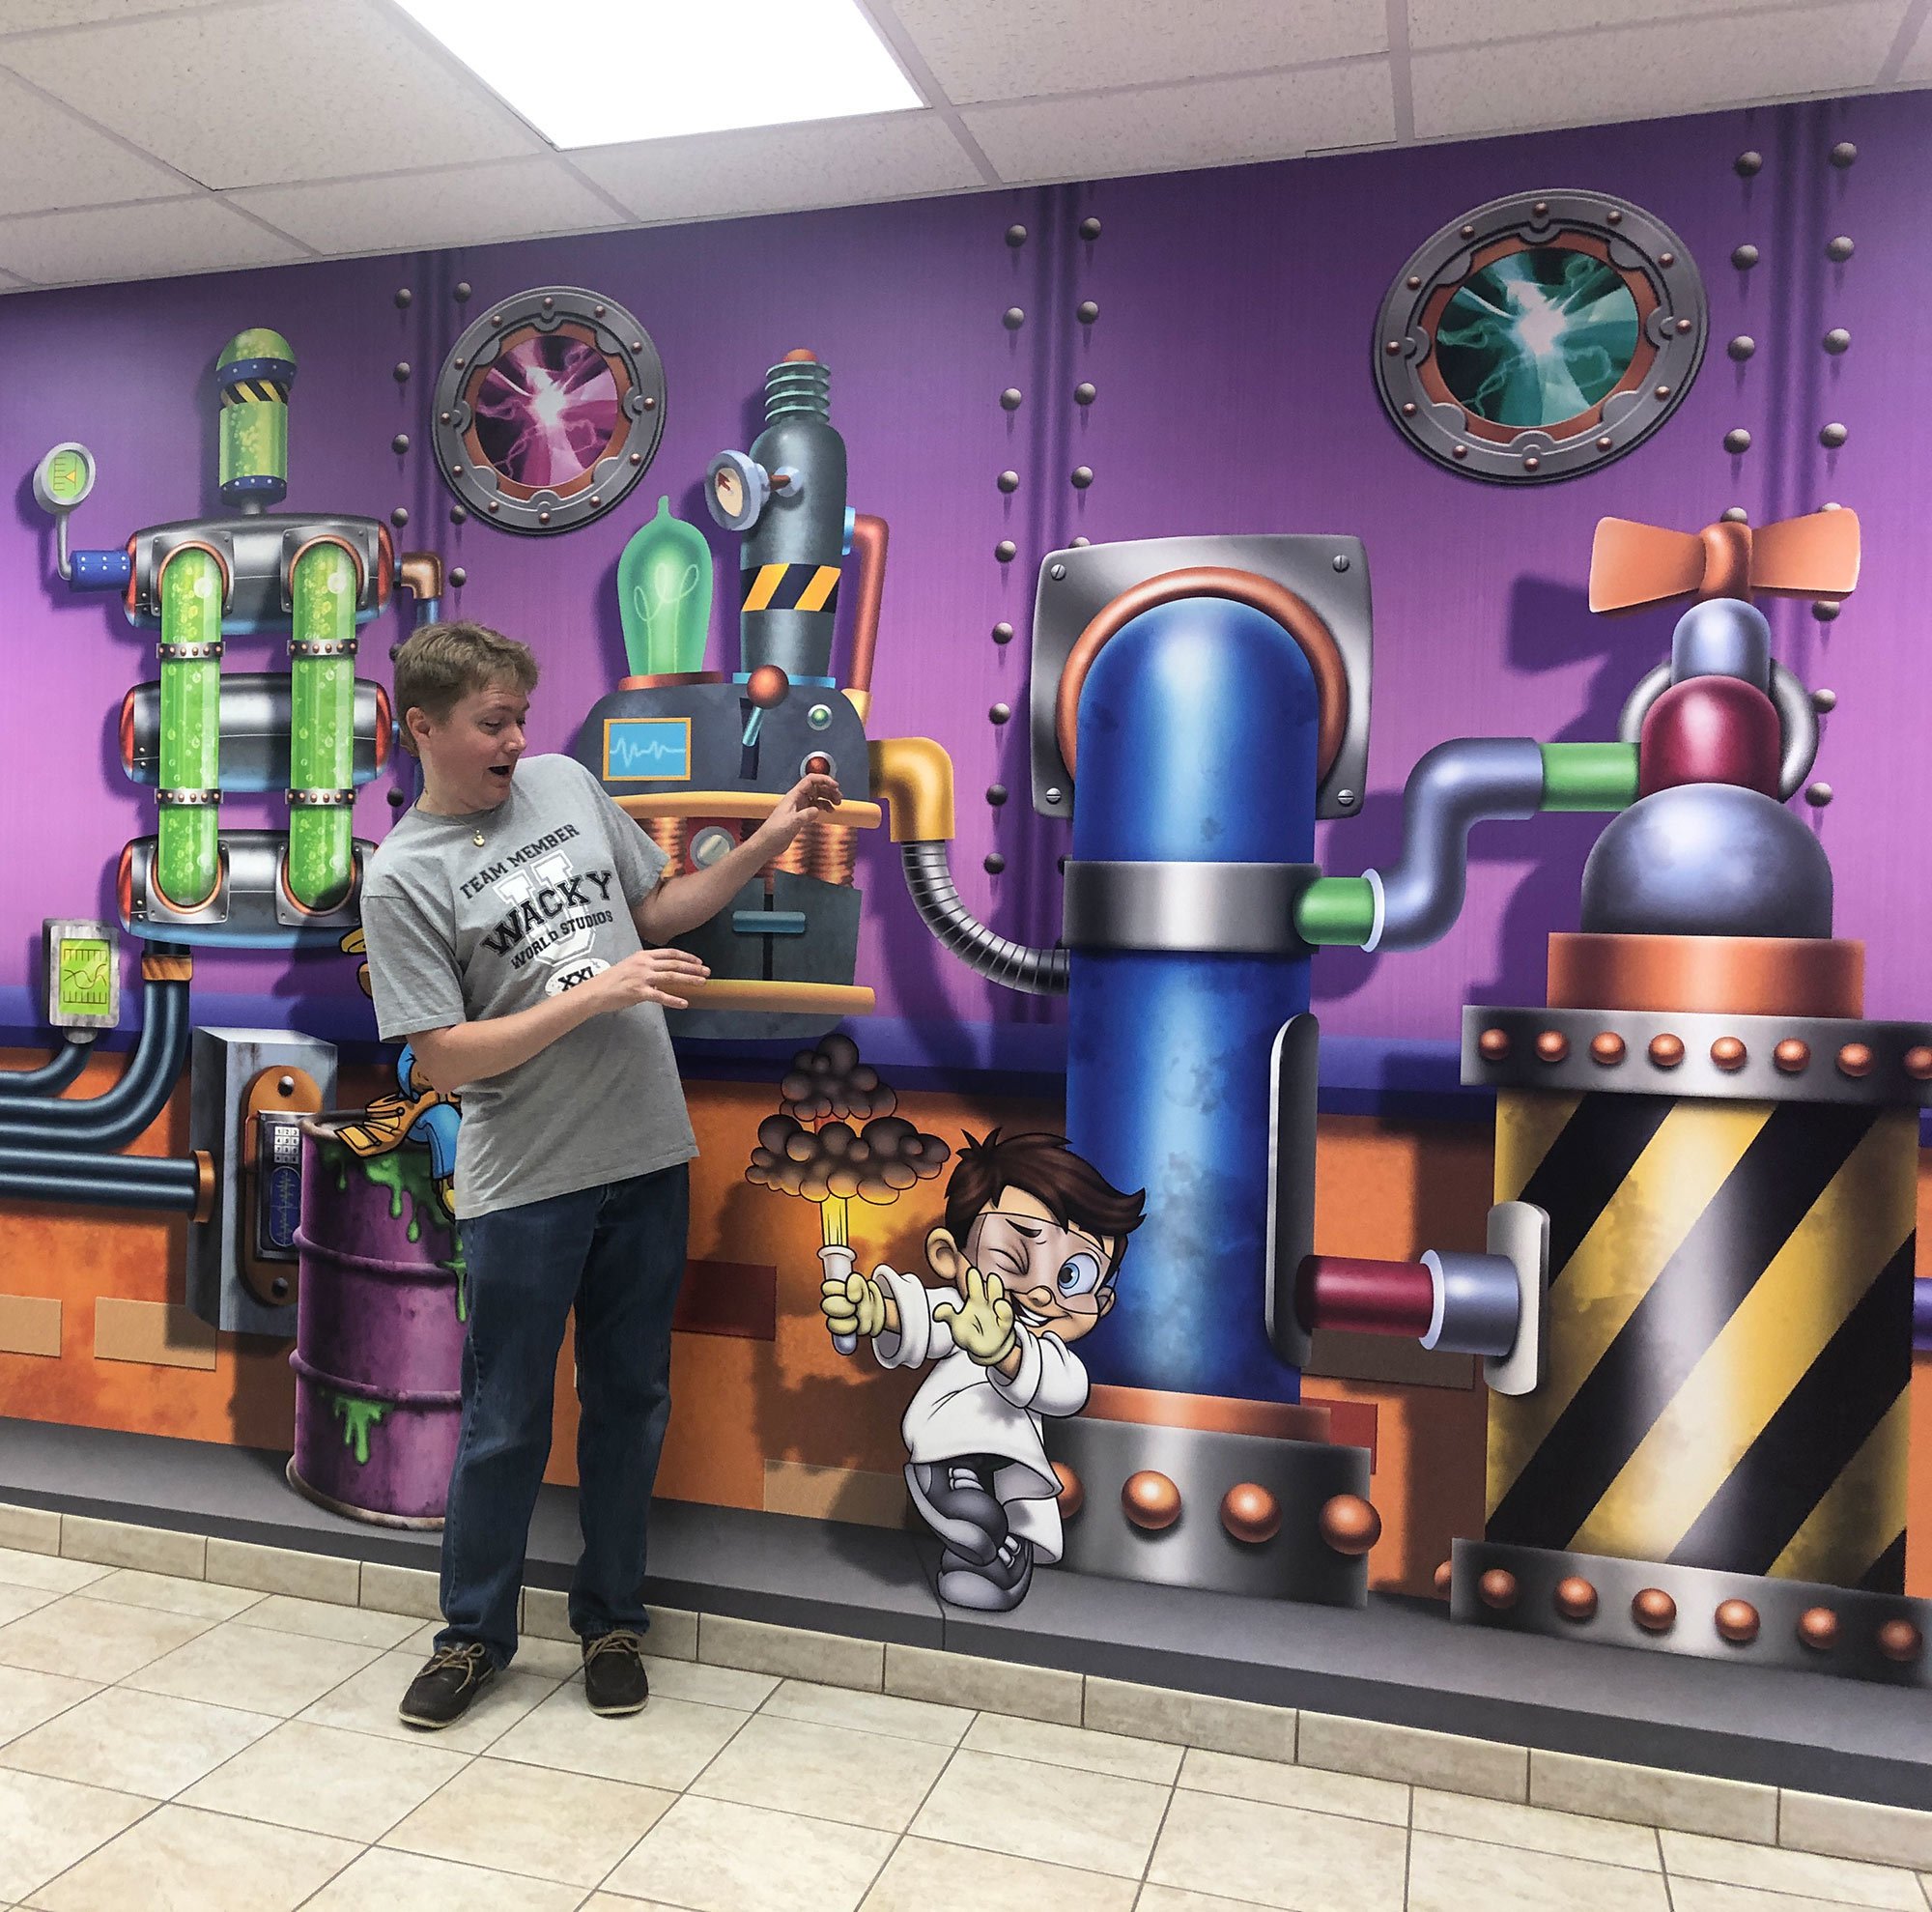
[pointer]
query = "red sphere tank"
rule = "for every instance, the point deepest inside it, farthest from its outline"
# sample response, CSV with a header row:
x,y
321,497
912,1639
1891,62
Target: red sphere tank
x,y
1710,731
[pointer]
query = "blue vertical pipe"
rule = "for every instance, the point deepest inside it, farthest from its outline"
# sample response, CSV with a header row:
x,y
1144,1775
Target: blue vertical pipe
x,y
1197,743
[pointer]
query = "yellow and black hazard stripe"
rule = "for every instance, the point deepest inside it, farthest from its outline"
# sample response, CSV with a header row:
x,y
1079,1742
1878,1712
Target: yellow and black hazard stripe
x,y
254,392
789,587
1729,1335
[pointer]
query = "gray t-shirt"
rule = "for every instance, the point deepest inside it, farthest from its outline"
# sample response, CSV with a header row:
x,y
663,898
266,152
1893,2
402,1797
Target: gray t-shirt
x,y
463,931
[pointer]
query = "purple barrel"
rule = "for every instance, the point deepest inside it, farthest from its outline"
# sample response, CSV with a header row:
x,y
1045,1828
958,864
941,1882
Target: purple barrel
x,y
379,1335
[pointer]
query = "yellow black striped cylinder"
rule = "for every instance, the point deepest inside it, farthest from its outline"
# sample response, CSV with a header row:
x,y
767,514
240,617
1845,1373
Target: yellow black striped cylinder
x,y
1731,1334
804,587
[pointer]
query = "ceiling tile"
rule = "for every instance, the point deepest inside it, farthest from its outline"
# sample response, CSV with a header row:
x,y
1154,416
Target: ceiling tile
x,y
409,212
982,51
36,15
48,159
1916,69
1646,72
261,95
1474,23
1169,129
165,237
779,169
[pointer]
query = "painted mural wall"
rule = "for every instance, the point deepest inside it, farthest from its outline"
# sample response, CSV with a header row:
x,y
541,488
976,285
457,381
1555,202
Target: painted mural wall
x,y
1011,374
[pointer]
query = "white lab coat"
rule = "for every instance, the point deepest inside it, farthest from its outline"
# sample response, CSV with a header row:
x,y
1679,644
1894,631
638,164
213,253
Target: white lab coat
x,y
962,1407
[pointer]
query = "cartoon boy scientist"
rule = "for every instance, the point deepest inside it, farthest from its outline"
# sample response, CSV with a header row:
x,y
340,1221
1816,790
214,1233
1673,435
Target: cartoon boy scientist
x,y
1033,1239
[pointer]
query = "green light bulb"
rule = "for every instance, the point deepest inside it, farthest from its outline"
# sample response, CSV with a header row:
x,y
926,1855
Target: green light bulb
x,y
664,596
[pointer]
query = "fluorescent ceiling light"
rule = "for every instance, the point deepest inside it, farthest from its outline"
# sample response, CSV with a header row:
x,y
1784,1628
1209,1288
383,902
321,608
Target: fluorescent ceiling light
x,y
595,73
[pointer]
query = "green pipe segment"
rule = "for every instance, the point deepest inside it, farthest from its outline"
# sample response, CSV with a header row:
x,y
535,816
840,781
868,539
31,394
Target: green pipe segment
x,y
255,412
189,863
322,736
1336,910
1588,776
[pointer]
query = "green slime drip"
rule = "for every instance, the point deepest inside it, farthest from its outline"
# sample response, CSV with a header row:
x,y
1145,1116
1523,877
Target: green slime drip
x,y
357,1419
405,1171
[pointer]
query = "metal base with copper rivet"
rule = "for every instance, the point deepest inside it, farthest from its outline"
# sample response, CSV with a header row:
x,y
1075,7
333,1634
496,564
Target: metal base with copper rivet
x,y
1497,1589
1792,1056
1072,1495
1553,1045
1736,1621
1666,1051
1494,1045
1818,1628
1250,1514
1728,1053
1150,1501
1445,1578
1350,1525
1900,1640
1575,1598
1917,1063
1854,1059
1607,1049
1654,1609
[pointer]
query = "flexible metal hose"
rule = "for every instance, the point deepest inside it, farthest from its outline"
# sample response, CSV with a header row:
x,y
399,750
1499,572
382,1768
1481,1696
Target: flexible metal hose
x,y
998,958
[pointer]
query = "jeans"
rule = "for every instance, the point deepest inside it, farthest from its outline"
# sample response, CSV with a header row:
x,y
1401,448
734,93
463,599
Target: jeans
x,y
616,1253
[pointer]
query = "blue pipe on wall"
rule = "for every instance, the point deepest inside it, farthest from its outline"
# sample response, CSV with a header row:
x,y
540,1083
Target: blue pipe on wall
x,y
93,1179
111,1121
49,1078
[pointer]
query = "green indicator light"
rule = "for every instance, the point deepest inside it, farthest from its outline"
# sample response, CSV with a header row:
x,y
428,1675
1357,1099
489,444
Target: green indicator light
x,y
64,477
85,975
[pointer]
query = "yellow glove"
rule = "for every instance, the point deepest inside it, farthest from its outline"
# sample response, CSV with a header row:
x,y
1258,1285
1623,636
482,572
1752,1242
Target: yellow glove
x,y
854,1304
983,1323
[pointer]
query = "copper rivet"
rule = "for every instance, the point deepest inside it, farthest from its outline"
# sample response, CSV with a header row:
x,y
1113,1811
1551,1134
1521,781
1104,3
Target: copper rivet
x,y
1497,1589
1604,444
1653,1610
1393,347
1445,1578
1736,1621
1409,409
1540,206
1493,1044
1575,1598
1918,1064
1685,325
1666,1051
650,403
1414,282
1900,1640
1150,1501
596,502
1250,1514
1854,1059
1666,258
1072,1495
1461,451
637,458
1614,217
1664,391
1551,1045
1818,1628
1350,1525
493,504
1606,1047
1469,232
1532,463
1728,1053
598,311
543,517
1792,1056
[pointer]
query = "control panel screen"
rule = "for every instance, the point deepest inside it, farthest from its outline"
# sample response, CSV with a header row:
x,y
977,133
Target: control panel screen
x,y
648,750
83,978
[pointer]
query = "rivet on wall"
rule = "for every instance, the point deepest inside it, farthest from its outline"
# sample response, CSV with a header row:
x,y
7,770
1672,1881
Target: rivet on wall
x,y
1833,436
399,517
400,372
1084,394
461,294
1837,340
1003,633
1090,228
1823,701
995,863
1014,317
403,295
1818,795
459,577
1005,550
1844,154
1736,514
1839,249
1017,236
1082,476
1000,713
1737,441
1012,398
1748,164
996,794
400,444
1008,481
1743,257
459,514
1086,312
1079,542
1826,609
396,798
1742,346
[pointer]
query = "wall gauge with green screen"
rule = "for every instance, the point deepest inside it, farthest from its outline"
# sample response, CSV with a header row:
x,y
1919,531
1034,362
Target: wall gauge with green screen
x,y
83,973
64,477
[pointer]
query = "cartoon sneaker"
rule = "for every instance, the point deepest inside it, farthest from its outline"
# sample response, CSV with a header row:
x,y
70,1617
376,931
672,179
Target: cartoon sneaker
x,y
955,1501
995,1588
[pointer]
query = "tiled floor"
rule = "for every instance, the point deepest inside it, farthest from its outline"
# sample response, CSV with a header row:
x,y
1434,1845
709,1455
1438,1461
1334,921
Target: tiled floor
x,y
179,1744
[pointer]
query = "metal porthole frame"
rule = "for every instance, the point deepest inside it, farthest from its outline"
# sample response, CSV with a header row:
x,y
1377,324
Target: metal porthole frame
x,y
542,511
1674,327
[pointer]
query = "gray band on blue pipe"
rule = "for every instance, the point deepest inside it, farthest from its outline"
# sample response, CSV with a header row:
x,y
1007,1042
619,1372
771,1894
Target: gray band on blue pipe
x,y
1464,781
1209,908
1478,1303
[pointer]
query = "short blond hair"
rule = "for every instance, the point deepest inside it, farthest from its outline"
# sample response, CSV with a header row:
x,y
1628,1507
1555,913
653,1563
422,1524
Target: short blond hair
x,y
440,665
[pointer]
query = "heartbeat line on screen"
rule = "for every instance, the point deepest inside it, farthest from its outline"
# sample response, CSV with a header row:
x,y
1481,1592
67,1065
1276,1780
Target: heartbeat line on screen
x,y
629,751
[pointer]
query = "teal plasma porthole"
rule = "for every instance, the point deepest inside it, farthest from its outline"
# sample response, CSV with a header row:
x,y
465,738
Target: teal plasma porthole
x,y
1540,337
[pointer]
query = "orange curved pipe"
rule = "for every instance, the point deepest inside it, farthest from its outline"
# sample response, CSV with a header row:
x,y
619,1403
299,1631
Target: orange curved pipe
x,y
869,540
1292,613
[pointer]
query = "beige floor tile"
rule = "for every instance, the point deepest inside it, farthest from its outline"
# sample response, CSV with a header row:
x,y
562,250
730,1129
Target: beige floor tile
x,y
121,1544
17,1602
284,1570
1189,1719
713,1856
27,1698
672,1633
1271,1783
178,1860
328,1619
169,1593
1536,1829
1454,1874
791,1652
57,1576
926,1877
323,1780
1074,1745
989,1686
367,1702
1691,1856
32,1529
870,1712
1707,1895
46,1825
668,1744
1652,1796
94,1639
1413,1756
247,1667
550,1658
142,1743
1278,1855
612,1901
384,1880
711,1686
1855,1829
515,1818
1090,1821
1168,1898
857,1778
414,1591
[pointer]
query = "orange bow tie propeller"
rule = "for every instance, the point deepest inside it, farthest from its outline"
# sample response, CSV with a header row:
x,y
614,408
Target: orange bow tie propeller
x,y
1632,566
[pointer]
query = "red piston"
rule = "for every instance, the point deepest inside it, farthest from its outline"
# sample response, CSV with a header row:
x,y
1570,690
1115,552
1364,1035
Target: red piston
x,y
1364,1297
1710,731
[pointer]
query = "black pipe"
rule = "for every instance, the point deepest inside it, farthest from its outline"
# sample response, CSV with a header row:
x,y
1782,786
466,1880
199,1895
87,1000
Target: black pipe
x,y
49,1078
111,1121
928,877
93,1179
